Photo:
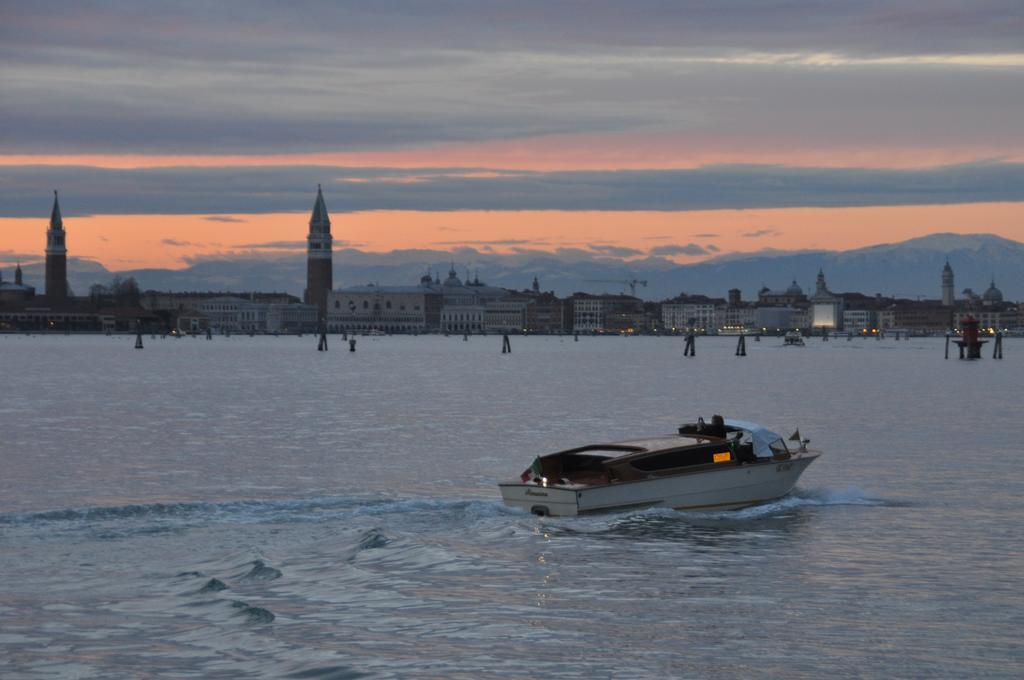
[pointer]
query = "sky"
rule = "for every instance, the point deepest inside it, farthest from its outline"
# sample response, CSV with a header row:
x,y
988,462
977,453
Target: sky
x,y
684,130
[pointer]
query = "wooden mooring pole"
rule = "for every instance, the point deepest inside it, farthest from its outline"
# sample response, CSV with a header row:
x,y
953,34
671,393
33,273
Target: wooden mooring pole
x,y
741,346
689,349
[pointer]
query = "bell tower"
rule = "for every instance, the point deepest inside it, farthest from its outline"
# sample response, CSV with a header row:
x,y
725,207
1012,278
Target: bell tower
x,y
319,259
947,285
56,256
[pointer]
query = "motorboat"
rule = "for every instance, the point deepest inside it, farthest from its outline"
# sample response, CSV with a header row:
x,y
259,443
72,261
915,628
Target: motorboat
x,y
722,465
793,339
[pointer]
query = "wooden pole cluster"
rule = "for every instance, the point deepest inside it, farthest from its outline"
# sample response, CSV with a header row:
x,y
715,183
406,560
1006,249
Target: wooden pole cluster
x,y
321,345
997,348
741,346
689,349
506,344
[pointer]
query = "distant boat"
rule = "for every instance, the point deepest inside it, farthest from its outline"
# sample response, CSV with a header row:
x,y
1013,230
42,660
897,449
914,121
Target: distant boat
x,y
726,465
793,339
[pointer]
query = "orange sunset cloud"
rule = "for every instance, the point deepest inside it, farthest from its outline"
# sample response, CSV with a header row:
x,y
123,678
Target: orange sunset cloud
x,y
135,241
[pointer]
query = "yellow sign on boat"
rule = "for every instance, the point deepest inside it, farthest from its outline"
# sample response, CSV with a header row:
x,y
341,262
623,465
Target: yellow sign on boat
x,y
723,457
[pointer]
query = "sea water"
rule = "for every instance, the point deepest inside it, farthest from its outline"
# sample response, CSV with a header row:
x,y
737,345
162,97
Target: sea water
x,y
250,507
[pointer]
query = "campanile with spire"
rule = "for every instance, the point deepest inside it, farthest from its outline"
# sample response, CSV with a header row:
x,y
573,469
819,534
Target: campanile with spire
x,y
319,260
56,256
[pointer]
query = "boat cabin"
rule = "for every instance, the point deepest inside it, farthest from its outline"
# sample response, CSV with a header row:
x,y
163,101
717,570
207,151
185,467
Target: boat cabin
x,y
698,447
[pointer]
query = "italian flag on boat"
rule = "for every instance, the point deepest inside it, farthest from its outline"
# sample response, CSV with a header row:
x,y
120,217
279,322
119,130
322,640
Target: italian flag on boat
x,y
532,471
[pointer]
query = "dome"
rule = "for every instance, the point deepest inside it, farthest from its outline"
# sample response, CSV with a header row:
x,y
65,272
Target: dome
x,y
993,294
794,289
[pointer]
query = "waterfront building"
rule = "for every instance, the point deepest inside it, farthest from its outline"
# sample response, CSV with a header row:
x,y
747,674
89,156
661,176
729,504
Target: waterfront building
x,y
916,315
191,321
319,257
826,308
391,309
232,314
736,316
546,313
606,313
57,310
789,297
774,319
15,292
860,320
992,296
733,319
285,317
465,304
690,312
507,315
801,317
161,301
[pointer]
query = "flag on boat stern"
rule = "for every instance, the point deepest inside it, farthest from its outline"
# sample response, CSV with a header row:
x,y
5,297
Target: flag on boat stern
x,y
795,437
532,471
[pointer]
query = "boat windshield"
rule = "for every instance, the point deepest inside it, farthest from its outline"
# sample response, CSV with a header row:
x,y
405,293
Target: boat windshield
x,y
779,446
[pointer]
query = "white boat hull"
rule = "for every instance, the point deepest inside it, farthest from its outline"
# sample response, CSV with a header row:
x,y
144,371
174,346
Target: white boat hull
x,y
721,488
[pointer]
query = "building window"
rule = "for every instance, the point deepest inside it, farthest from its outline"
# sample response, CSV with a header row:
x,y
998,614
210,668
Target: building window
x,y
388,304
366,304
337,304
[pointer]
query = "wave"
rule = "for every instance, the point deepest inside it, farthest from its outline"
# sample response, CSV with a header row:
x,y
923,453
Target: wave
x,y
252,614
174,516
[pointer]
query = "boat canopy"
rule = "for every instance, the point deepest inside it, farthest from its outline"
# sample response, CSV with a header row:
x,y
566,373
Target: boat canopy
x,y
762,437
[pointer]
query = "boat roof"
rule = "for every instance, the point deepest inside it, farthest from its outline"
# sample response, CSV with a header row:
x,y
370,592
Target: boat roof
x,y
761,437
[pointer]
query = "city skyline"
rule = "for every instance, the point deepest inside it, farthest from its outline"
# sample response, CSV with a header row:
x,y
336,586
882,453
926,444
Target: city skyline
x,y
192,132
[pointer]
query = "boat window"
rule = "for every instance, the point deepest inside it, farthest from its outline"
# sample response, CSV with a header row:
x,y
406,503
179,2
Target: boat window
x,y
778,446
694,455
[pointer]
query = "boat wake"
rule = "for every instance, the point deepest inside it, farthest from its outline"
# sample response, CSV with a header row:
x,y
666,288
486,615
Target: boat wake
x,y
135,519
122,520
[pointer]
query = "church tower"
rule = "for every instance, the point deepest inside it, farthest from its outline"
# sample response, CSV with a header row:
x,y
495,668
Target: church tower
x,y
947,285
56,256
319,261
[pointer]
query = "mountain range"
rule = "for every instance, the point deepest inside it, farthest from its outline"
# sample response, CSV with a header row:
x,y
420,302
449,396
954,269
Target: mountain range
x,y
909,269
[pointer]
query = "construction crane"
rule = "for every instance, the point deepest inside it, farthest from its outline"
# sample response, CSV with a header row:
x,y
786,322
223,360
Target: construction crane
x,y
632,283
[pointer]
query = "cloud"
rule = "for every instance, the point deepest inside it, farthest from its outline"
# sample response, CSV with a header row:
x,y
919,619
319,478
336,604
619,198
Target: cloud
x,y
688,249
706,235
471,72
760,233
494,242
174,243
712,248
275,245
13,257
223,218
616,251
26,190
